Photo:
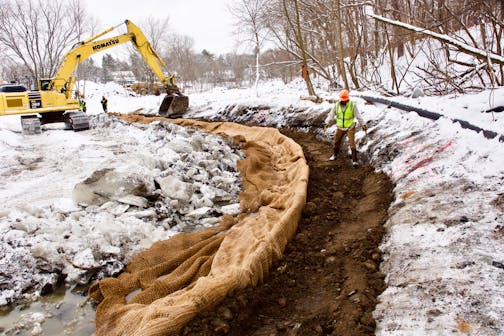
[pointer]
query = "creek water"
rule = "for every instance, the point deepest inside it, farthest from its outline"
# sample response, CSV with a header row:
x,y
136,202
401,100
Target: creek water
x,y
64,312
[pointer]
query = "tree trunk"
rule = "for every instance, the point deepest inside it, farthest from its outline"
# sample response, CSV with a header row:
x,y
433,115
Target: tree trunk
x,y
341,63
257,52
305,71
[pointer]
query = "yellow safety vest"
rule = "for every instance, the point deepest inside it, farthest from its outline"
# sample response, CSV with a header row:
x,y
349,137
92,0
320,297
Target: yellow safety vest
x,y
344,118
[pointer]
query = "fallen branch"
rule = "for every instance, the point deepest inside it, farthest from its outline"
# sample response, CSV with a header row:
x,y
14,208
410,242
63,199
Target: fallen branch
x,y
463,47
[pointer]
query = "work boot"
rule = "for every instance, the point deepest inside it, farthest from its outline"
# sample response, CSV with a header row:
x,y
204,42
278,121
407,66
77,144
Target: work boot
x,y
334,156
354,158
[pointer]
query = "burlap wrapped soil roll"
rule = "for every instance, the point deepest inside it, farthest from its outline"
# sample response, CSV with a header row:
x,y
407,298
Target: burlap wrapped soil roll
x,y
164,287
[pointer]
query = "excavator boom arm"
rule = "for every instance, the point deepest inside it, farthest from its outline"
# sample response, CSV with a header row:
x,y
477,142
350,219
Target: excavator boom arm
x,y
148,53
90,47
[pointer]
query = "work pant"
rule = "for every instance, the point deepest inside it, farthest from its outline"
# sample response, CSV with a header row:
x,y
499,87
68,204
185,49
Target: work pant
x,y
338,137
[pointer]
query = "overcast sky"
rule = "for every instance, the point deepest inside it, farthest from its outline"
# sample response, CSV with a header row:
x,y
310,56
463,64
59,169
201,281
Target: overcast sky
x,y
208,22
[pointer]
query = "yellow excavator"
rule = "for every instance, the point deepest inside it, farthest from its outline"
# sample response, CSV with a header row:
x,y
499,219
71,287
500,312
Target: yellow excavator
x,y
54,99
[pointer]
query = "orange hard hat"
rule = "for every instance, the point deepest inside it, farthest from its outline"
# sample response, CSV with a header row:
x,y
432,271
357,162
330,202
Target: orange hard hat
x,y
344,95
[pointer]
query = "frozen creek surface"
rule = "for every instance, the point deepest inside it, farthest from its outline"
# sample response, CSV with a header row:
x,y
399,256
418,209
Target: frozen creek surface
x,y
77,206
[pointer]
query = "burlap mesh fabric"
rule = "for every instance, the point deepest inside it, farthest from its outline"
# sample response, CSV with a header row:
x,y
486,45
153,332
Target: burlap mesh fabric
x,y
164,287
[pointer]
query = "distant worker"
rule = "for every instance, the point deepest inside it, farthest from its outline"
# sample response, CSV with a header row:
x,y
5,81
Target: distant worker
x,y
104,102
82,104
345,112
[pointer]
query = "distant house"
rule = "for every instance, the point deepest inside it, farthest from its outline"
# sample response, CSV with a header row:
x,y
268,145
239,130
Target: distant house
x,y
125,78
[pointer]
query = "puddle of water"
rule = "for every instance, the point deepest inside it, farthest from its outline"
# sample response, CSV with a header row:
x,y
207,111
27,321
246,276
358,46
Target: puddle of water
x,y
64,312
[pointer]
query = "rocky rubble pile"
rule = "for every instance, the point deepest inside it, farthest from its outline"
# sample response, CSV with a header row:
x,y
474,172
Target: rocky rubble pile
x,y
187,179
160,179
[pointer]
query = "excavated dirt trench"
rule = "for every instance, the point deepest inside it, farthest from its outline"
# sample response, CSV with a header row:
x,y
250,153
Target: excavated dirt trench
x,y
328,280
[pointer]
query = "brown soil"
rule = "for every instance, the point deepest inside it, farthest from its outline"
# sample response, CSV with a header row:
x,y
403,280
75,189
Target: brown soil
x,y
328,280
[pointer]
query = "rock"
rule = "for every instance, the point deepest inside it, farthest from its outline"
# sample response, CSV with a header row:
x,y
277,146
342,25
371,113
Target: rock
x,y
330,260
309,208
220,327
370,265
225,313
417,93
174,188
282,302
376,256
109,184
138,201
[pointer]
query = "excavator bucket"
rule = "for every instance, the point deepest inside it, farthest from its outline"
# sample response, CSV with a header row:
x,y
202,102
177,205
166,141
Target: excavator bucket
x,y
174,106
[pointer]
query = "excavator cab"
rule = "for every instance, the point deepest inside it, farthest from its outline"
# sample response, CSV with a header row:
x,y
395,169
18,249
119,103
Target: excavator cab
x,y
43,84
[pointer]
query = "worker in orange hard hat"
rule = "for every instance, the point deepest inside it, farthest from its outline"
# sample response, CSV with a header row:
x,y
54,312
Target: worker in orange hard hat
x,y
344,114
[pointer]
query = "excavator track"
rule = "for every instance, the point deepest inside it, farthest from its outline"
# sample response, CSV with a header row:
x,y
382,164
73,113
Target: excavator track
x,y
77,120
30,125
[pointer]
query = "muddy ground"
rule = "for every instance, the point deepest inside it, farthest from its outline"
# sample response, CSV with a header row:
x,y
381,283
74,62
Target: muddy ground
x,y
328,281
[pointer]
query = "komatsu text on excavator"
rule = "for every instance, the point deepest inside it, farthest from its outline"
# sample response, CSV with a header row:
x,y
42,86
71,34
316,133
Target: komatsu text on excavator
x,y
55,100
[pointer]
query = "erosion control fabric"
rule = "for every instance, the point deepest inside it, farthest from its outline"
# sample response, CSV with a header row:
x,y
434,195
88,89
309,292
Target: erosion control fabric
x,y
164,287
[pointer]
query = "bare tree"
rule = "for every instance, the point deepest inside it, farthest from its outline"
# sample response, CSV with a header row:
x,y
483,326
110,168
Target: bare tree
x,y
156,31
37,33
320,34
280,64
239,64
180,58
250,18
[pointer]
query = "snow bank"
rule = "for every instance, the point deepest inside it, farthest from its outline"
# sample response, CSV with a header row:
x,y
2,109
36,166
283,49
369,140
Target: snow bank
x,y
443,254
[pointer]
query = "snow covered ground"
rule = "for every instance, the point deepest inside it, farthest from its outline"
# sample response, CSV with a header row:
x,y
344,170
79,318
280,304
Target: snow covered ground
x,y
444,256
